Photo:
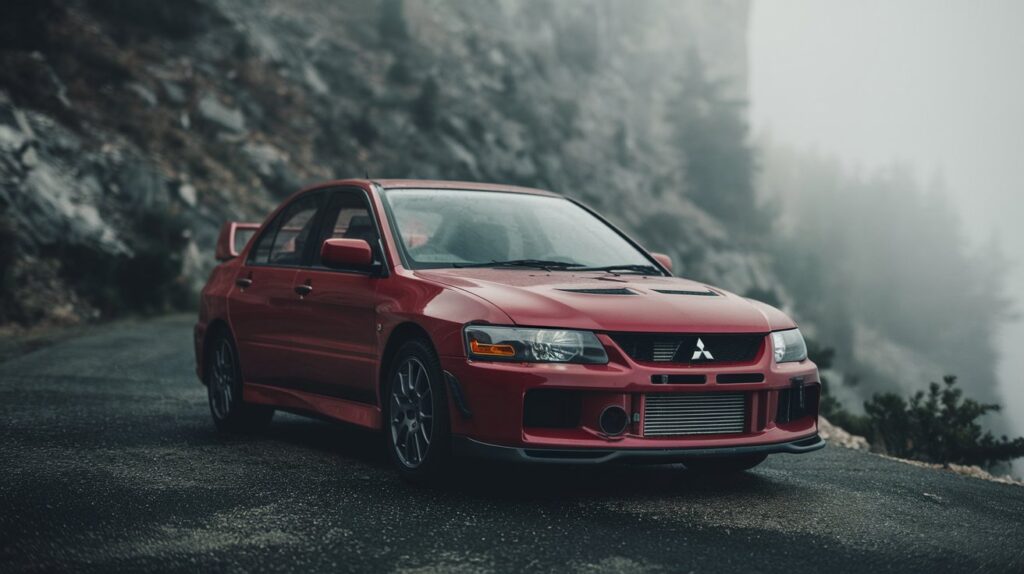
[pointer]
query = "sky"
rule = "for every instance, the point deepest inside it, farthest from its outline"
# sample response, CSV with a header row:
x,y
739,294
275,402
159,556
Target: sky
x,y
934,84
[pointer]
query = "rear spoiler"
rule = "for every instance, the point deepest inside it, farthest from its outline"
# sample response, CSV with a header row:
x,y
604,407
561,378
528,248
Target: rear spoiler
x,y
233,237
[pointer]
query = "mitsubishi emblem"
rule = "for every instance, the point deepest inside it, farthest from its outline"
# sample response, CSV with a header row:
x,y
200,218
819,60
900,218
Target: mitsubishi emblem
x,y
700,352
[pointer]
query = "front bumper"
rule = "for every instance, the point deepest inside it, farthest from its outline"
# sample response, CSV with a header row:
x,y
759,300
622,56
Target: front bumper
x,y
489,400
464,446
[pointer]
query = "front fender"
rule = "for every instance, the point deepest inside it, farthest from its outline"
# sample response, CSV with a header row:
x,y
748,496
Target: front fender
x,y
440,310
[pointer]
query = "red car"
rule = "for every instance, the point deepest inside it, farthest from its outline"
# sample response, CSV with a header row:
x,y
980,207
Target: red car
x,y
496,321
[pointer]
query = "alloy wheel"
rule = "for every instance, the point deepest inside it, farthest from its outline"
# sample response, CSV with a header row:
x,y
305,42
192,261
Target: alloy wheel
x,y
411,413
222,379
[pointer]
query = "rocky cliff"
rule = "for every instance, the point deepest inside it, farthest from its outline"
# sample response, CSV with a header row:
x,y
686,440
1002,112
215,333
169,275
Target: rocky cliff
x,y
129,130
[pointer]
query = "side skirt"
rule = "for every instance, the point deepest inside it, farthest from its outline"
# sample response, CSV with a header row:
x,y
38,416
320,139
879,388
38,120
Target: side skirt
x,y
362,414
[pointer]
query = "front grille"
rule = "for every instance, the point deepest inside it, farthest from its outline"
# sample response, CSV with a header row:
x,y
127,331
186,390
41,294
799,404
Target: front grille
x,y
683,348
665,350
679,379
681,414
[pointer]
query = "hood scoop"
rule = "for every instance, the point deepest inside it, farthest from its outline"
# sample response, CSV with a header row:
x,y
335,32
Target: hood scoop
x,y
599,291
708,293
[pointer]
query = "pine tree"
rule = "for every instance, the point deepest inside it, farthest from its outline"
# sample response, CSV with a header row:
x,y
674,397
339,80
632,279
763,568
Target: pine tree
x,y
711,133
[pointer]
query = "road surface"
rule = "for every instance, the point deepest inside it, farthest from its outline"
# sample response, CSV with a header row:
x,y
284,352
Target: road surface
x,y
110,463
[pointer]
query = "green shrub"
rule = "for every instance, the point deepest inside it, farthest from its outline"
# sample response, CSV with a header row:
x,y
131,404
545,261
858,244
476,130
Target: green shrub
x,y
938,426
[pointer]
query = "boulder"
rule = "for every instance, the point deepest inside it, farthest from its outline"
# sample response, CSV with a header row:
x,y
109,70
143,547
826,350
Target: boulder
x,y
224,117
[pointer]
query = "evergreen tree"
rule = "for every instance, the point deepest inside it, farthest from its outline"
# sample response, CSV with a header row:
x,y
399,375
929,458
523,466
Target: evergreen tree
x,y
711,133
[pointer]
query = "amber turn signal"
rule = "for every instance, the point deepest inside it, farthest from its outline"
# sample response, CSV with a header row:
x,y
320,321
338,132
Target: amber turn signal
x,y
479,348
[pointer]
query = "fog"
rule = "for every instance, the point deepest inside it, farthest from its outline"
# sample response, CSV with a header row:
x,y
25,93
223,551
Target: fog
x,y
936,86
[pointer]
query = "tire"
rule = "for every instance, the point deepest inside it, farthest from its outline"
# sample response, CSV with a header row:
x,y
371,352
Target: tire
x,y
224,390
727,465
417,428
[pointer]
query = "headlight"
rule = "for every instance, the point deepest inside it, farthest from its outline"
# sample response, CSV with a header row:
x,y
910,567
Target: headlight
x,y
789,346
533,345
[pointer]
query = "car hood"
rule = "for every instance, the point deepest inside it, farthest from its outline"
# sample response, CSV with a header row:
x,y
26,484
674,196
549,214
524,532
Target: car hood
x,y
604,302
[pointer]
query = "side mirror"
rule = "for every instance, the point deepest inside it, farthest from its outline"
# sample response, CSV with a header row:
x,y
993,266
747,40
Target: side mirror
x,y
233,237
346,253
664,260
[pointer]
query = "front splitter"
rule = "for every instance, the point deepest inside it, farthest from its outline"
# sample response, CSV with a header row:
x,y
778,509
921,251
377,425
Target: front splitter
x,y
464,446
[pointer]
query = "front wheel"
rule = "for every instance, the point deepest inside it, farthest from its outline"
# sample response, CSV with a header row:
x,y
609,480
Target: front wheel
x,y
724,465
416,413
224,390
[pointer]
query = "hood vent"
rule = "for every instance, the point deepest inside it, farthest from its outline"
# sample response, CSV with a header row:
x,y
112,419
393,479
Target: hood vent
x,y
708,293
617,291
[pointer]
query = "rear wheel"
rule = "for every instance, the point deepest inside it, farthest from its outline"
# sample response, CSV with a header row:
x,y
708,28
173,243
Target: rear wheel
x,y
724,465
224,390
417,428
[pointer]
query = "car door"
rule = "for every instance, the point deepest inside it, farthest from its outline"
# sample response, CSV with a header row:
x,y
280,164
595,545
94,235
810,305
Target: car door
x,y
335,325
262,304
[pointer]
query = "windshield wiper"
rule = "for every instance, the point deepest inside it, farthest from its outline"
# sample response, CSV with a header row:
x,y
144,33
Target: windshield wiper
x,y
533,263
628,268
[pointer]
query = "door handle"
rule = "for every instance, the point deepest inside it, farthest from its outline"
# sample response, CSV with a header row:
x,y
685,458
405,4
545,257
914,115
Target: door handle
x,y
243,282
303,290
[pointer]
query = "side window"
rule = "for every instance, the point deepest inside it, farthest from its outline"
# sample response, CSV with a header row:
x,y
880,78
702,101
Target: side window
x,y
261,251
286,238
348,217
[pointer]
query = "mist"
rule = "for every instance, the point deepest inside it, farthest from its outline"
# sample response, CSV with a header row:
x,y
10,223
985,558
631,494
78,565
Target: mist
x,y
934,87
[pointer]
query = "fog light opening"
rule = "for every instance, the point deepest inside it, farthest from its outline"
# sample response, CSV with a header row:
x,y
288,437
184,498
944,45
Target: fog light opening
x,y
613,420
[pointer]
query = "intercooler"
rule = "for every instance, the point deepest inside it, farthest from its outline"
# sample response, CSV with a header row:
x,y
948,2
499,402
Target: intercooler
x,y
682,414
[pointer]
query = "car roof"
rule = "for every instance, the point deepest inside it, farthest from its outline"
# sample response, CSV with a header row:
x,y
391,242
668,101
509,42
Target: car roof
x,y
434,184
467,185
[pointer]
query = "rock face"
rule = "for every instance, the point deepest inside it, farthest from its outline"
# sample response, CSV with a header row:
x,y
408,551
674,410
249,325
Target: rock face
x,y
840,437
130,130
219,115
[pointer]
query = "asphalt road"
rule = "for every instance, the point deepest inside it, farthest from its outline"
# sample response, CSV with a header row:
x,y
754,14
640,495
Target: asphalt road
x,y
109,462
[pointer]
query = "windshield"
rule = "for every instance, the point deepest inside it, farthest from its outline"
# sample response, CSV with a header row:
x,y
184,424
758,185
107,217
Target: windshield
x,y
457,228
